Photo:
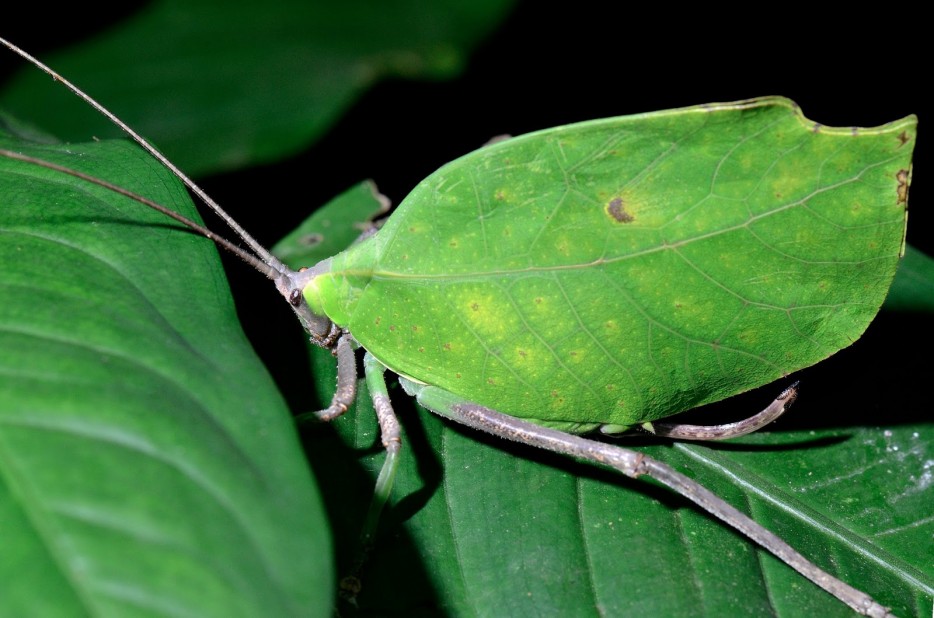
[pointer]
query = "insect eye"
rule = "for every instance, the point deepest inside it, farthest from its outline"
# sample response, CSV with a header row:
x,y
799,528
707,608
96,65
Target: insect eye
x,y
295,298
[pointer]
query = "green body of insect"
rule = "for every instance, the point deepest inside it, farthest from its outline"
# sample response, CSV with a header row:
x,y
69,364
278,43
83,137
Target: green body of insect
x,y
623,270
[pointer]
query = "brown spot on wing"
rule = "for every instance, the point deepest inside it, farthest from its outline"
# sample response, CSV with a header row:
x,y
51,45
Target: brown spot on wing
x,y
616,208
902,176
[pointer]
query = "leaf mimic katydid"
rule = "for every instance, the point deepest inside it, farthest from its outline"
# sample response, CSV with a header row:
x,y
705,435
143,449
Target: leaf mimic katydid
x,y
614,273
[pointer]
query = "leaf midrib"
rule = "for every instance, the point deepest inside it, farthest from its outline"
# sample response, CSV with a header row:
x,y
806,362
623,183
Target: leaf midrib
x,y
754,485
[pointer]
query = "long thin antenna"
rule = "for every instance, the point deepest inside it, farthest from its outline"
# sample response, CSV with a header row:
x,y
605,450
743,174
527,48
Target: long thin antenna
x,y
261,252
247,257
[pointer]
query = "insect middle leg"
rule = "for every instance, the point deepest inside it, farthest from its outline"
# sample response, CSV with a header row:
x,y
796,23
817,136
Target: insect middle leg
x,y
390,430
390,434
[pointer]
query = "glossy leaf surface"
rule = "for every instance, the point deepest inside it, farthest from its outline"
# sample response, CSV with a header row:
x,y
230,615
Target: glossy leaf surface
x,y
478,525
148,465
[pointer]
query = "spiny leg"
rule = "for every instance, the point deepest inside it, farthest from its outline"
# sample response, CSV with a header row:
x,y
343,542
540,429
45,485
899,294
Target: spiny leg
x,y
728,430
635,464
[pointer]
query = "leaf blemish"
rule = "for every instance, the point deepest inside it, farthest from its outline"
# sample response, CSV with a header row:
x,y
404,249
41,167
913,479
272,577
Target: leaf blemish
x,y
311,240
616,208
902,177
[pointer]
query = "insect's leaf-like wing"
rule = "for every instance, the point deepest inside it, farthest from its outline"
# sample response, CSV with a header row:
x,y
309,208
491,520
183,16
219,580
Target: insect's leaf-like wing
x,y
626,269
148,465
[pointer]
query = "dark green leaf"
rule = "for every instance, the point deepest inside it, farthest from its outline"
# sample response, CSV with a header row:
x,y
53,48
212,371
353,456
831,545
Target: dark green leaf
x,y
913,288
217,85
148,465
479,527
334,226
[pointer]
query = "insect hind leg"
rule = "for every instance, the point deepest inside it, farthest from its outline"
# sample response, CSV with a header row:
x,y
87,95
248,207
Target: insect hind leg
x,y
634,464
727,430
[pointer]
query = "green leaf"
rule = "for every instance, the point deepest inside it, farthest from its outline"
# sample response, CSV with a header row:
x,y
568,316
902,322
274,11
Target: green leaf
x,y
333,227
481,527
221,85
148,465
913,287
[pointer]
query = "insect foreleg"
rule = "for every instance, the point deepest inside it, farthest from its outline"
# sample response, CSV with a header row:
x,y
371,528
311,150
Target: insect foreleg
x,y
728,430
634,464
346,391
